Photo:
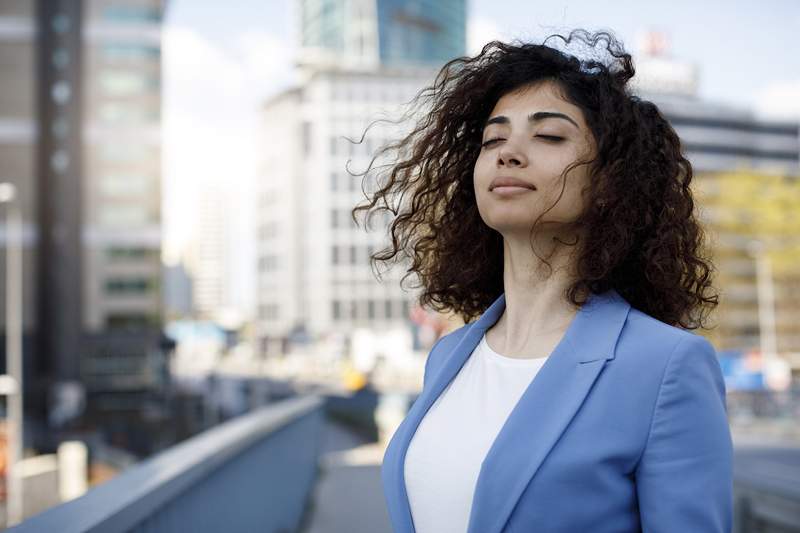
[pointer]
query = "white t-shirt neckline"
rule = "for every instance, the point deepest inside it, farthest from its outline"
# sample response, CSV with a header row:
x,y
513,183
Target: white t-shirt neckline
x,y
504,359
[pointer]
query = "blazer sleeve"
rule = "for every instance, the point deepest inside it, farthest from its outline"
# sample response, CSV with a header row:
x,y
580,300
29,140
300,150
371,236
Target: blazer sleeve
x,y
684,478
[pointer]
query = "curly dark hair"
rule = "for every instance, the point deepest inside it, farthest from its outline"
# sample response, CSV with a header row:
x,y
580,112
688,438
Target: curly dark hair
x,y
642,237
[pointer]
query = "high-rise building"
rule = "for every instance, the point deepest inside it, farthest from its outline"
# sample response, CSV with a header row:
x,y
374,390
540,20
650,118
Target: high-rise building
x,y
313,269
359,58
207,259
80,137
363,34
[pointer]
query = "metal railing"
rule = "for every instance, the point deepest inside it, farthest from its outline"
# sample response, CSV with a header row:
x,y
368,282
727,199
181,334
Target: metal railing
x,y
253,473
767,490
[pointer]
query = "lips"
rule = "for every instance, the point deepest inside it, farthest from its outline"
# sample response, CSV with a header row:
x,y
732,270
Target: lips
x,y
510,182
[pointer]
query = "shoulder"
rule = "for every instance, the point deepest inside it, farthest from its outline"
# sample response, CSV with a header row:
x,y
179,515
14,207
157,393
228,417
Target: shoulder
x,y
668,353
643,332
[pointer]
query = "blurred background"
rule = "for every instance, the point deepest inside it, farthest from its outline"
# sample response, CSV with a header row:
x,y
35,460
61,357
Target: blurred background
x,y
188,312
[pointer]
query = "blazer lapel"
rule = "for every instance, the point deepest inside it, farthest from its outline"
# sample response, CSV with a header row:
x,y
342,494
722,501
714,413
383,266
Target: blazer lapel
x,y
396,494
545,409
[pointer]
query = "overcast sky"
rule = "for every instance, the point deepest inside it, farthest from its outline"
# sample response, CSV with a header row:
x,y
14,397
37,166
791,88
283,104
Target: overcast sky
x,y
222,59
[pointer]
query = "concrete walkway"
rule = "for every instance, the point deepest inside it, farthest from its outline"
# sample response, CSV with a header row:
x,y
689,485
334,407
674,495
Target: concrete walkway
x,y
348,496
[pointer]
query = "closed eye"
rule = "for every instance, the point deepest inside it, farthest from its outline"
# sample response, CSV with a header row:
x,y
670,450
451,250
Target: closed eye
x,y
489,142
551,138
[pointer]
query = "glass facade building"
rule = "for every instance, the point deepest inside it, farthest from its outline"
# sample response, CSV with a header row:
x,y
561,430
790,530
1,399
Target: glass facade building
x,y
382,32
421,31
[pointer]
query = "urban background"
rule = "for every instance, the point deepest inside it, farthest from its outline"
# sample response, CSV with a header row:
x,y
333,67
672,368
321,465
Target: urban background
x,y
190,322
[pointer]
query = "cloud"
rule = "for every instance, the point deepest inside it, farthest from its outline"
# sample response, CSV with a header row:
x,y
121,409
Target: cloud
x,y
209,123
779,101
194,65
266,60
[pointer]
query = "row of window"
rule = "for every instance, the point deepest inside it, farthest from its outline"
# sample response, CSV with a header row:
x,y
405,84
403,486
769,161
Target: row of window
x,y
125,253
131,13
139,285
130,320
130,52
343,219
117,112
126,185
345,182
267,263
383,91
351,147
340,255
352,255
126,215
268,230
128,82
370,309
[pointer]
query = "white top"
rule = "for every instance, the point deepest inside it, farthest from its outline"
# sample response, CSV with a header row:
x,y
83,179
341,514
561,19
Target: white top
x,y
445,454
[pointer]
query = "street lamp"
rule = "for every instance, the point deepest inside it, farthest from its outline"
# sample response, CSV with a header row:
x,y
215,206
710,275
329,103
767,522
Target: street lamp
x,y
766,301
13,388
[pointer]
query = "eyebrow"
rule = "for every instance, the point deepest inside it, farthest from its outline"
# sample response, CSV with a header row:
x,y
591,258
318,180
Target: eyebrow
x,y
534,117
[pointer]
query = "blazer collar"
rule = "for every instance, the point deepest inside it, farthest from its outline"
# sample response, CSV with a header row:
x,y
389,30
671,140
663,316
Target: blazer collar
x,y
535,423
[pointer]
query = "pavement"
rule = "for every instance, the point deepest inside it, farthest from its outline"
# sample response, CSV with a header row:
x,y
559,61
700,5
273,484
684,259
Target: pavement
x,y
348,496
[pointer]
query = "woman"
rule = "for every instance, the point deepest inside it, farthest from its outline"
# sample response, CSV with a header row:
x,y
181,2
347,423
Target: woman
x,y
546,200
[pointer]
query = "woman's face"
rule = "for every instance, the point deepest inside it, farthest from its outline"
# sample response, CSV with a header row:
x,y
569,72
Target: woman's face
x,y
532,135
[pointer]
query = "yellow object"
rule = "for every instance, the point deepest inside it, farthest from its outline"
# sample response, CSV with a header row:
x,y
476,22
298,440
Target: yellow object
x,y
354,380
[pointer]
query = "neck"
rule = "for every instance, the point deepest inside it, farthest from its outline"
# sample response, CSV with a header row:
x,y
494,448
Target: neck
x,y
535,301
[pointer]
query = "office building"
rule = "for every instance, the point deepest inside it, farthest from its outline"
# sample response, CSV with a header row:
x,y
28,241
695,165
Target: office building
x,y
80,136
365,34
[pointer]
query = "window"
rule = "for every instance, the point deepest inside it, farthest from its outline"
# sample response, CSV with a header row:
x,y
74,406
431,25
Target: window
x,y
371,309
337,310
123,153
306,134
60,92
60,23
334,218
128,320
117,253
116,112
128,14
117,82
124,215
128,285
335,255
125,185
130,51
60,58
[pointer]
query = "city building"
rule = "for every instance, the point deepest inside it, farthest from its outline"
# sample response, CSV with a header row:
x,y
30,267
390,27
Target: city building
x,y
80,137
207,257
359,62
366,34
313,269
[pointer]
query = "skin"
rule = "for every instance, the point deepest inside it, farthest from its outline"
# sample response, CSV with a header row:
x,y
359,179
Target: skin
x,y
536,315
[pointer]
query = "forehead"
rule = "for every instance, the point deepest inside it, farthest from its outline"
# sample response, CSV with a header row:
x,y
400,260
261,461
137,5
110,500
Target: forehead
x,y
543,96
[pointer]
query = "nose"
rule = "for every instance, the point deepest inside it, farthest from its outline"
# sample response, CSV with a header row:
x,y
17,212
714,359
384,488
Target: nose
x,y
509,156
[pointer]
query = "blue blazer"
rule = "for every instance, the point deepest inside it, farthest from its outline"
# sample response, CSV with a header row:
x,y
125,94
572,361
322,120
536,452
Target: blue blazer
x,y
623,429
